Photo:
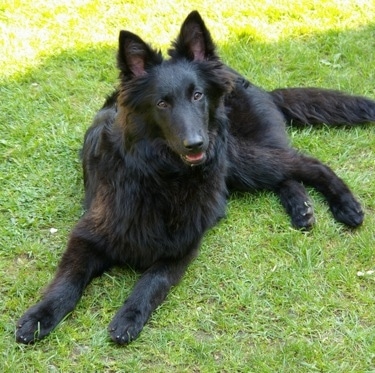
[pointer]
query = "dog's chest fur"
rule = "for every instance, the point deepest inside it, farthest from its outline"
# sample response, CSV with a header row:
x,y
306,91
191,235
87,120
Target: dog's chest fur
x,y
153,206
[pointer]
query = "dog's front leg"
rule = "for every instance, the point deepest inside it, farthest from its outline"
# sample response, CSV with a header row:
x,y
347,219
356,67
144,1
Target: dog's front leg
x,y
149,292
80,263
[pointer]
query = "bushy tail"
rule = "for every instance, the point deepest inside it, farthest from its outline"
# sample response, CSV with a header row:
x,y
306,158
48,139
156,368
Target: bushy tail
x,y
315,105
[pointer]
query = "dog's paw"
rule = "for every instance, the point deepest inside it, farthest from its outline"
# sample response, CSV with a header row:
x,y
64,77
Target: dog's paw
x,y
29,328
303,216
126,326
348,211
35,324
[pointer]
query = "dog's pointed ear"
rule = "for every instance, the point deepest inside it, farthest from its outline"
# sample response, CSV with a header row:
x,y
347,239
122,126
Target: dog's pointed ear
x,y
134,56
194,41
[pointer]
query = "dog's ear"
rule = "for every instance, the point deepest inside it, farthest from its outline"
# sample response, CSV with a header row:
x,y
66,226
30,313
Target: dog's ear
x,y
194,41
134,56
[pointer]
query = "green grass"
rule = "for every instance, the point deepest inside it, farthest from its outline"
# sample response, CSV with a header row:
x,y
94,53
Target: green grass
x,y
261,297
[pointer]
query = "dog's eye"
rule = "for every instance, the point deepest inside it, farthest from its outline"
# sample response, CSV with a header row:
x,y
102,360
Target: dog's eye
x,y
197,96
162,104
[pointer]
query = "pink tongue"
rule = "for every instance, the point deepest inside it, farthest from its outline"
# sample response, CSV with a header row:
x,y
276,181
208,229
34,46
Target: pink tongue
x,y
194,157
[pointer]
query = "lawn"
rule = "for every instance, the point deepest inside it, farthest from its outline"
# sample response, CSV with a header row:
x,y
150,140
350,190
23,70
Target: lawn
x,y
261,296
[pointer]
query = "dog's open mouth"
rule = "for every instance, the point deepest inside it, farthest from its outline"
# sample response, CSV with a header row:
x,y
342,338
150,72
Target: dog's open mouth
x,y
194,159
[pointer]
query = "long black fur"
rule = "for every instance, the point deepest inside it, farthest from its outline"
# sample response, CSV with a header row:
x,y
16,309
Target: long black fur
x,y
160,158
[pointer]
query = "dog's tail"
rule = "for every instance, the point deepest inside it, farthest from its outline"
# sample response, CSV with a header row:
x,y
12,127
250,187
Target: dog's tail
x,y
315,105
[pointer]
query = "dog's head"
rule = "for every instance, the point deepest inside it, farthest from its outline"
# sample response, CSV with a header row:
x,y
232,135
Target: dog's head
x,y
176,99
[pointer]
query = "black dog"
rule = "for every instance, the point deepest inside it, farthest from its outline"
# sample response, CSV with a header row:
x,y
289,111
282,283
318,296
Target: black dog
x,y
159,158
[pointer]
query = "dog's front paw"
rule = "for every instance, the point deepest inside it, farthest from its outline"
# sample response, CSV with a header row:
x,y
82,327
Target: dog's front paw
x,y
35,324
126,326
348,211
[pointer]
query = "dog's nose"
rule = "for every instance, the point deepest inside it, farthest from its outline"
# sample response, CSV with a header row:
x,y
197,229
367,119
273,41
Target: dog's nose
x,y
193,143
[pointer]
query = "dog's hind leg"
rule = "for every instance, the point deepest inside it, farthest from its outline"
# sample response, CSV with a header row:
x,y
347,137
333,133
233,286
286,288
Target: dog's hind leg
x,y
79,264
282,170
343,205
252,168
295,200
149,292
